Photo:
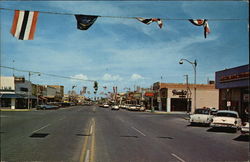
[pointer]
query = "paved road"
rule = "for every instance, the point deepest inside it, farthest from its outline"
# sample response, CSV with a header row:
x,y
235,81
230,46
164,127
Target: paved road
x,y
101,135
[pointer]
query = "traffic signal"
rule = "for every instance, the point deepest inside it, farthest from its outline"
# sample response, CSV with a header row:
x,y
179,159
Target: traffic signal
x,y
95,85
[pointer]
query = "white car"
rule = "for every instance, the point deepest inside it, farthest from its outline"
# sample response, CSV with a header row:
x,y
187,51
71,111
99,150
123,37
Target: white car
x,y
105,106
202,116
132,107
245,128
115,107
142,108
226,119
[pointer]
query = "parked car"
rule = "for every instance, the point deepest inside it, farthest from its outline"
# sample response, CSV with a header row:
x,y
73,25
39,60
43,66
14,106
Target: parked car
x,y
142,108
47,107
226,119
105,106
122,106
115,107
245,128
127,106
132,107
202,116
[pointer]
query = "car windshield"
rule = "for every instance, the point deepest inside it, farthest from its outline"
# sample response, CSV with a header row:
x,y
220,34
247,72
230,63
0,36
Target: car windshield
x,y
202,111
226,114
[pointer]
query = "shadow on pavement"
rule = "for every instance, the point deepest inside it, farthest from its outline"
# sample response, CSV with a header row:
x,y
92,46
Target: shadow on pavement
x,y
198,125
129,136
222,130
243,138
166,137
39,135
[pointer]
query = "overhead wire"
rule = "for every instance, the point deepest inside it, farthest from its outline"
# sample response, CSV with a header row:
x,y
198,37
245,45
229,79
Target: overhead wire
x,y
124,17
41,73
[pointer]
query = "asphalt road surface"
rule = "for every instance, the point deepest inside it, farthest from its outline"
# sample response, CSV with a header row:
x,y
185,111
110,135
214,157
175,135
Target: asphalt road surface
x,y
94,134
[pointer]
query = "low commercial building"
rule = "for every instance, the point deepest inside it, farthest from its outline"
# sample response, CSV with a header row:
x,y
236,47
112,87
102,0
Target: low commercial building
x,y
180,97
233,85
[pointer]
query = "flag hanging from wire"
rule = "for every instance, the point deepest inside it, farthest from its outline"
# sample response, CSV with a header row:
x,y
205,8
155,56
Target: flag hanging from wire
x,y
24,24
85,21
149,21
201,22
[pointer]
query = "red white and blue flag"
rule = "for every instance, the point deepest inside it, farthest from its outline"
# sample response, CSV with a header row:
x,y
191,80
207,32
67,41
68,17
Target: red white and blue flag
x,y
24,24
149,21
201,22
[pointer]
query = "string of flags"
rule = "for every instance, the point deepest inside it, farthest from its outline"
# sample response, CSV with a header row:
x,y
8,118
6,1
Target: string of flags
x,y
24,23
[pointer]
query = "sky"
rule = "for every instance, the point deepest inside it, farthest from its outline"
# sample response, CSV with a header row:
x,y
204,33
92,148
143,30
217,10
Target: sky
x,y
125,52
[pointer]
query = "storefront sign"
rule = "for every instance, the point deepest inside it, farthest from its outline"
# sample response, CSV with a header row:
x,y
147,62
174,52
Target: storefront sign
x,y
149,94
234,77
237,77
179,92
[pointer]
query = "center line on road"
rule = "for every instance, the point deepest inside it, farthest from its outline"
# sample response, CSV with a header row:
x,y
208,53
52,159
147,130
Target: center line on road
x,y
91,129
138,131
178,157
87,157
41,128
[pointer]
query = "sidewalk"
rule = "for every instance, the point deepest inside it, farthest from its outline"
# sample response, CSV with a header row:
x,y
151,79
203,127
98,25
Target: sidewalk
x,y
8,109
186,117
164,112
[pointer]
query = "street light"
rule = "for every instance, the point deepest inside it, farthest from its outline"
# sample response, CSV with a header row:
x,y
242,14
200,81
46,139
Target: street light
x,y
31,73
194,64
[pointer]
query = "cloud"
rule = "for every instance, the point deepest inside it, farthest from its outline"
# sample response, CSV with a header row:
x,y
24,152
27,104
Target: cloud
x,y
136,77
80,76
109,77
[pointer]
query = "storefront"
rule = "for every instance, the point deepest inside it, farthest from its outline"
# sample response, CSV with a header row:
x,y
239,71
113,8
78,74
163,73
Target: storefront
x,y
180,97
233,85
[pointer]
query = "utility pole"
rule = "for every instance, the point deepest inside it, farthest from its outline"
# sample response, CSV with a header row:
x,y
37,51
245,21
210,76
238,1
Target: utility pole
x,y
29,92
186,76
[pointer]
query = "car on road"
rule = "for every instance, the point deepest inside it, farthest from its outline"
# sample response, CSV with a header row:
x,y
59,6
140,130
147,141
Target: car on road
x,y
114,107
47,107
226,119
142,108
105,106
245,128
132,107
202,116
122,106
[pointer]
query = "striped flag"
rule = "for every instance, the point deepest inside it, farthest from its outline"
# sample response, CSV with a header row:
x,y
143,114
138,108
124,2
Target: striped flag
x,y
149,21
201,22
24,24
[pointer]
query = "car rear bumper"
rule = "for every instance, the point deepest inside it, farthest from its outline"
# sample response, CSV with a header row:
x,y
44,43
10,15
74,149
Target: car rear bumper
x,y
223,126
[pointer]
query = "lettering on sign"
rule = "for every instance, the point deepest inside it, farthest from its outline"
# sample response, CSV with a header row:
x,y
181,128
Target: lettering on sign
x,y
234,77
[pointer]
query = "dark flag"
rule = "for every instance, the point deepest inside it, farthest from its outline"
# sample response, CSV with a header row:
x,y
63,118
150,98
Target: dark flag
x,y
149,21
201,22
85,21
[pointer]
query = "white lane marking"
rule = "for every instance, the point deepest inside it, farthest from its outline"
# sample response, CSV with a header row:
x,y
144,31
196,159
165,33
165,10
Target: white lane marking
x,y
138,131
178,157
41,128
87,157
91,130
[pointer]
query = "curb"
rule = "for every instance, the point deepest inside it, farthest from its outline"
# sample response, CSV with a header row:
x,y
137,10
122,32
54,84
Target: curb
x,y
16,110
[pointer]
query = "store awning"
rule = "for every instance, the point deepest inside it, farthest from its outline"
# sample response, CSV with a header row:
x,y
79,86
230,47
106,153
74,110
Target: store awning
x,y
17,96
10,96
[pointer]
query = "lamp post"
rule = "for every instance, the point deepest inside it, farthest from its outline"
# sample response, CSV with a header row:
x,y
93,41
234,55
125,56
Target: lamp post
x,y
194,64
31,87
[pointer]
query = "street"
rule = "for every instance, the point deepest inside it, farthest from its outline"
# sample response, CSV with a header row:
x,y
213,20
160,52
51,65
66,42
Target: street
x,y
91,133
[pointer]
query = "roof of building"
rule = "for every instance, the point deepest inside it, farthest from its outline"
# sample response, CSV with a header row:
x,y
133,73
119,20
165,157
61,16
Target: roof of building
x,y
181,85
